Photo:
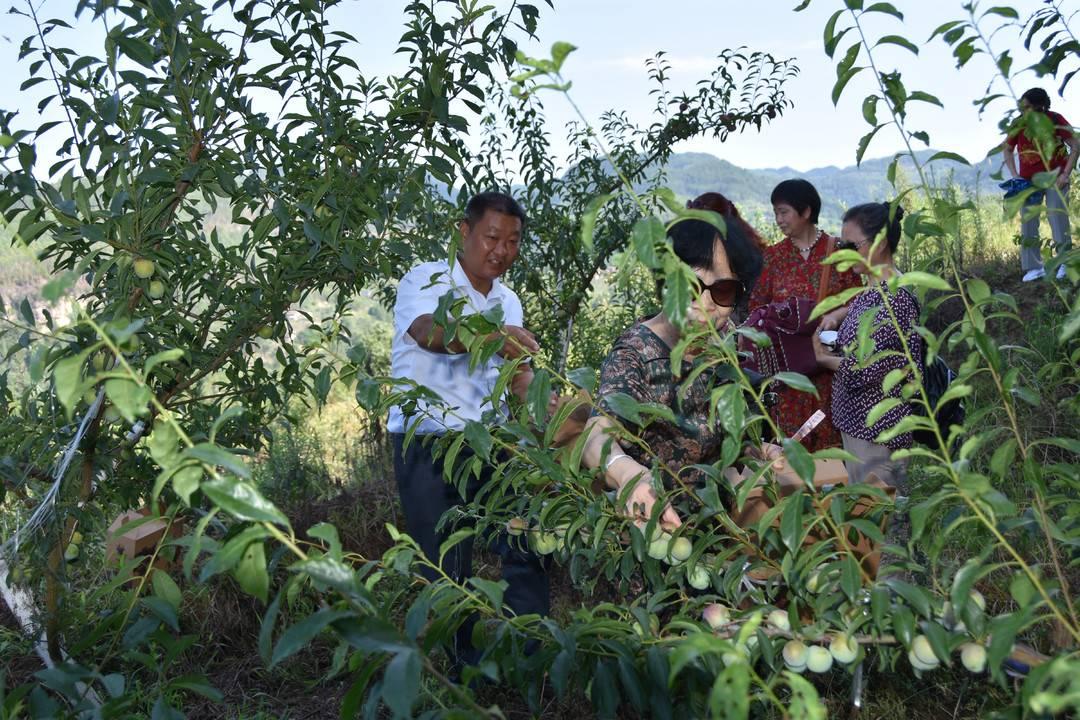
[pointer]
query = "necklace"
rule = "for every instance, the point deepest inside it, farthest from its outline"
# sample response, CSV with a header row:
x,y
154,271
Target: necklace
x,y
805,251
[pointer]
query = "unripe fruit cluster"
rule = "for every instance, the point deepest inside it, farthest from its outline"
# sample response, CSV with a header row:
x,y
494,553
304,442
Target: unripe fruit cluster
x,y
671,551
143,267
921,654
71,552
798,657
544,543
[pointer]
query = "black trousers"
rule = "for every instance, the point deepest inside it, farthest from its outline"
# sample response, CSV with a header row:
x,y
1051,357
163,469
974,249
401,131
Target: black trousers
x,y
425,497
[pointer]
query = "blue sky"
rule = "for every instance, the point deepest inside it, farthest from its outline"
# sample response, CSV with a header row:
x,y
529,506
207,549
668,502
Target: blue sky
x,y
615,36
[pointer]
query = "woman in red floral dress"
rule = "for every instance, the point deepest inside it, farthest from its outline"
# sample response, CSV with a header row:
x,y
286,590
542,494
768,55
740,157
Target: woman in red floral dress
x,y
793,268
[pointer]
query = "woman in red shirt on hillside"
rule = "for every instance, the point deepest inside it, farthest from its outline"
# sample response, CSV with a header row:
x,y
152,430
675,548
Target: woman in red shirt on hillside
x,y
793,268
1041,146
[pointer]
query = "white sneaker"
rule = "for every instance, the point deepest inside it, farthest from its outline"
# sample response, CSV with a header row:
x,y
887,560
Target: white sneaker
x,y
1061,272
1032,275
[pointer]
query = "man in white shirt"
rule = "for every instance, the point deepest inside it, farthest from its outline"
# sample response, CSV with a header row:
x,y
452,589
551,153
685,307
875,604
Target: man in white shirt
x,y
490,240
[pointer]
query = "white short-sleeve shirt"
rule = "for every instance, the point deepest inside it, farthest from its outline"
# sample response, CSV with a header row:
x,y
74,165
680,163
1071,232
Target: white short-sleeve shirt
x,y
464,392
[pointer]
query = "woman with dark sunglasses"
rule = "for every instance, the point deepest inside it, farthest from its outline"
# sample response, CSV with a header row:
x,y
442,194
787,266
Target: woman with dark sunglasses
x,y
873,230
793,269
639,366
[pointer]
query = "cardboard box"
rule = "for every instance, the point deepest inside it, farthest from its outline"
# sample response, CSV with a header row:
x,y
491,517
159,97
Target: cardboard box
x,y
141,539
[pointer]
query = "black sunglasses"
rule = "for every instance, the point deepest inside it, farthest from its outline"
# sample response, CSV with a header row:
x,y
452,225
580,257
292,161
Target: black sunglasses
x,y
848,245
724,291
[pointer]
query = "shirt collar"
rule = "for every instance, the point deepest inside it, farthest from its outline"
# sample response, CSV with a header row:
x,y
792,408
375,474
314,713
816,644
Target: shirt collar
x,y
460,279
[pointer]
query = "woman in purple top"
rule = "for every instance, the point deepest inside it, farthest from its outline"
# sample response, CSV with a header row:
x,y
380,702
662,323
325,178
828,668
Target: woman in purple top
x,y
859,377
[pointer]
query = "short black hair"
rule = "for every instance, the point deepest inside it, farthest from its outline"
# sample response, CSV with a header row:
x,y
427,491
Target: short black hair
x,y
693,241
499,202
1038,98
872,217
799,194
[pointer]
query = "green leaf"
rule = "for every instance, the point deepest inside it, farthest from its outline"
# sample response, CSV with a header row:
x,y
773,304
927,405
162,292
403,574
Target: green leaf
x,y
892,379
166,589
903,622
67,379
479,437
731,408
162,610
850,578
791,523
584,378
805,703
797,381
297,636
368,393
234,412
945,155
920,96
371,634
492,590
559,52
197,684
869,110
915,596
1003,11
1021,589
799,459
328,533
944,28
216,456
251,573
834,301
900,41
676,296
160,358
266,628
457,537
879,410
917,278
27,312
977,290
130,398
588,218
647,233
242,501
56,287
330,572
842,81
830,32
884,7
185,481
864,143
401,683
163,444
537,397
730,695
1002,631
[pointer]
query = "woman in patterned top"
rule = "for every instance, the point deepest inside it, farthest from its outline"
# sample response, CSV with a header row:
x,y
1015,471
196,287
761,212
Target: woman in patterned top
x,y
859,379
639,366
793,268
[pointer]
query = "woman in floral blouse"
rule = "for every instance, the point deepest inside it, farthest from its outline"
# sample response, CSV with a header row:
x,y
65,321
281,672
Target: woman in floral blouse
x,y
857,385
793,268
639,366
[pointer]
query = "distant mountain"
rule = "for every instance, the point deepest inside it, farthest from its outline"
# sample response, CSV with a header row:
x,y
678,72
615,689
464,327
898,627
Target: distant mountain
x,y
690,174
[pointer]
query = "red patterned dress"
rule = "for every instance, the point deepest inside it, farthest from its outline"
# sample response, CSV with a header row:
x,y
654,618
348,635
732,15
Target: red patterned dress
x,y
787,274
